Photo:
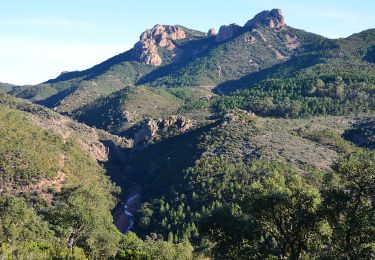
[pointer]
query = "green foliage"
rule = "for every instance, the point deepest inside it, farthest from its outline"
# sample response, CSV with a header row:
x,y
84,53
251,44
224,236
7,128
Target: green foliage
x,y
349,206
234,58
22,164
80,215
69,87
126,107
131,247
35,250
24,234
82,218
362,133
305,95
282,215
5,88
285,209
19,223
226,186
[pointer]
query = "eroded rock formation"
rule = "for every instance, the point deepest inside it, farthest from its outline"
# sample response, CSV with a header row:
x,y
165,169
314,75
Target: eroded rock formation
x,y
227,31
146,50
149,129
273,19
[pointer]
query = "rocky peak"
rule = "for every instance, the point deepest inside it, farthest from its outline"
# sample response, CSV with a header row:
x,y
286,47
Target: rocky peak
x,y
212,32
163,34
227,31
146,50
274,19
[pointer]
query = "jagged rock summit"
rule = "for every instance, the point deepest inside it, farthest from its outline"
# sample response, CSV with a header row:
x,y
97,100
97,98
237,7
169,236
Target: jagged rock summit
x,y
273,19
227,31
146,50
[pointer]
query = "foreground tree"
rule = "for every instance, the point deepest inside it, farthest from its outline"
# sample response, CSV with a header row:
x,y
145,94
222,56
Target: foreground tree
x,y
286,209
82,218
349,206
132,247
278,216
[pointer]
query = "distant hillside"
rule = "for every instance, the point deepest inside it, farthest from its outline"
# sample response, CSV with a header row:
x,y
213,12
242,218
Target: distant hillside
x,y
283,72
122,109
209,159
5,88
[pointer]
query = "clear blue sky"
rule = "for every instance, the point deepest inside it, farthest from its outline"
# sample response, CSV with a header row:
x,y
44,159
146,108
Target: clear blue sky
x,y
41,38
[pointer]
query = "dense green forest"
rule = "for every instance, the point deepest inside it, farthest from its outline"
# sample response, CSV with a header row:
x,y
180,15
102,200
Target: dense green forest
x,y
307,94
243,206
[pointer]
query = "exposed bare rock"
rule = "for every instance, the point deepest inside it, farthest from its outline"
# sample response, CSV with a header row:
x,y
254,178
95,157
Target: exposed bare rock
x,y
259,35
292,42
207,97
226,32
278,14
212,32
250,39
149,130
219,70
127,116
274,19
238,115
180,122
230,118
146,50
279,55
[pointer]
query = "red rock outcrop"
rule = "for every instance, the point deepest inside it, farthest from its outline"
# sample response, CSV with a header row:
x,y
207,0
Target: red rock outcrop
x,y
274,19
226,32
146,50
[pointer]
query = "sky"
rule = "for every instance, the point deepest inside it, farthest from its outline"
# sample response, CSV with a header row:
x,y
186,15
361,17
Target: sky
x,y
41,38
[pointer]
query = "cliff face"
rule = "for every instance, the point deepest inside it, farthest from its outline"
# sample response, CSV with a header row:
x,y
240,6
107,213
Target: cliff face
x,y
146,50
